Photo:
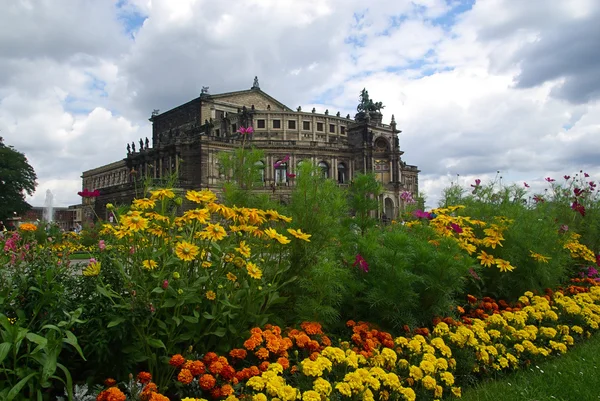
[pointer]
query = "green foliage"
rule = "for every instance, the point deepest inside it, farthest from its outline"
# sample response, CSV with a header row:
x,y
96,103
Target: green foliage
x,y
242,166
317,207
29,360
17,179
409,280
364,200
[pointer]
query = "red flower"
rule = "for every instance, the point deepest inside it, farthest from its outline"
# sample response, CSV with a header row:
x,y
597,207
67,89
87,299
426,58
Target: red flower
x,y
86,193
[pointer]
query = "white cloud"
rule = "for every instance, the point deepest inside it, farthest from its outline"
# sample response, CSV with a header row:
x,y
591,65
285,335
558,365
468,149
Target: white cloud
x,y
78,79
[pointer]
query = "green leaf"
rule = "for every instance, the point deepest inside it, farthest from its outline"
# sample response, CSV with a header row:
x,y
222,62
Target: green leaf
x,y
17,388
220,332
104,291
115,322
207,316
169,303
158,290
4,349
191,319
177,320
72,341
156,343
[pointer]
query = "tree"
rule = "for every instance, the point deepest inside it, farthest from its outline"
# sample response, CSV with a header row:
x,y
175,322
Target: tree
x,y
17,178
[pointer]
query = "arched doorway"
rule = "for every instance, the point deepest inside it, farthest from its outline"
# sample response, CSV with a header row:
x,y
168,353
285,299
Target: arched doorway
x,y
388,209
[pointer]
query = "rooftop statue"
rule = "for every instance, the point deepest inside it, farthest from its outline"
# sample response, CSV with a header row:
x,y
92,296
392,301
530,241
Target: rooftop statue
x,y
367,105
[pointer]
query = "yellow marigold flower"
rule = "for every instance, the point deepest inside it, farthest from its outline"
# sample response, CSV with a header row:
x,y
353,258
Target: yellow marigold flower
x,y
456,391
27,227
299,234
311,395
504,265
206,264
213,232
486,259
447,378
93,269
244,249
539,258
231,277
210,295
253,271
344,389
427,367
438,392
144,203
186,251
149,264
259,397
429,382
201,196
416,372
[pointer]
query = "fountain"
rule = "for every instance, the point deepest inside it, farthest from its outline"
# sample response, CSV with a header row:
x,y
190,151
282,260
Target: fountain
x,y
49,207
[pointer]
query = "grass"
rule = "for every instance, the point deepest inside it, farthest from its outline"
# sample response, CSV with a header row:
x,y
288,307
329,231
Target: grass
x,y
571,377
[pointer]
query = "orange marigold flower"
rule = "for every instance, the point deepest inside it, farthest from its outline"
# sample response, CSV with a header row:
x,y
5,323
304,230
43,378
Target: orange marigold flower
x,y
238,353
144,377
185,376
311,328
158,397
262,353
350,323
110,382
111,394
210,357
264,366
294,369
207,382
314,356
215,393
471,299
197,368
326,341
226,390
254,371
284,362
302,340
228,372
215,367
460,310
177,360
256,330
314,345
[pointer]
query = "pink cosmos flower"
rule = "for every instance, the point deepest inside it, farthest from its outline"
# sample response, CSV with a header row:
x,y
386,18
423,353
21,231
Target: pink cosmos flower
x,y
550,179
361,263
245,130
526,185
101,245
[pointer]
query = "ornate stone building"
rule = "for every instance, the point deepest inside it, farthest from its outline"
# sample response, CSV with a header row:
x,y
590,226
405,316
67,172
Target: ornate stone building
x,y
187,139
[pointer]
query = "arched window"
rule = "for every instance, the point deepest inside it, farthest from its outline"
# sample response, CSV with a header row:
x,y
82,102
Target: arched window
x,y
299,167
342,174
280,172
324,168
260,167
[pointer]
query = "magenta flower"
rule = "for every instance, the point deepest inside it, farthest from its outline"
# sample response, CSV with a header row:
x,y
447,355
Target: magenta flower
x,y
101,245
477,183
567,177
591,271
419,214
586,175
361,263
578,207
456,228
289,175
86,193
165,284
526,185
550,179
245,130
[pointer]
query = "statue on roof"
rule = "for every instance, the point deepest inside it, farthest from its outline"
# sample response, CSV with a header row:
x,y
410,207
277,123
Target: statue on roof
x,y
367,105
255,85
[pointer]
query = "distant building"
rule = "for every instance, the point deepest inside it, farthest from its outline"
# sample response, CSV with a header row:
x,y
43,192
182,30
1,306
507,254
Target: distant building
x,y
187,139
64,217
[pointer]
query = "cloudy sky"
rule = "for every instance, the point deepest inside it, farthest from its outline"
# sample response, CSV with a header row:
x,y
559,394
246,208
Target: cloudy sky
x,y
476,86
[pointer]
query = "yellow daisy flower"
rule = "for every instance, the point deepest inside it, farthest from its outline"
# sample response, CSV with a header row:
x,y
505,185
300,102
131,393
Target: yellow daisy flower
x,y
186,251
